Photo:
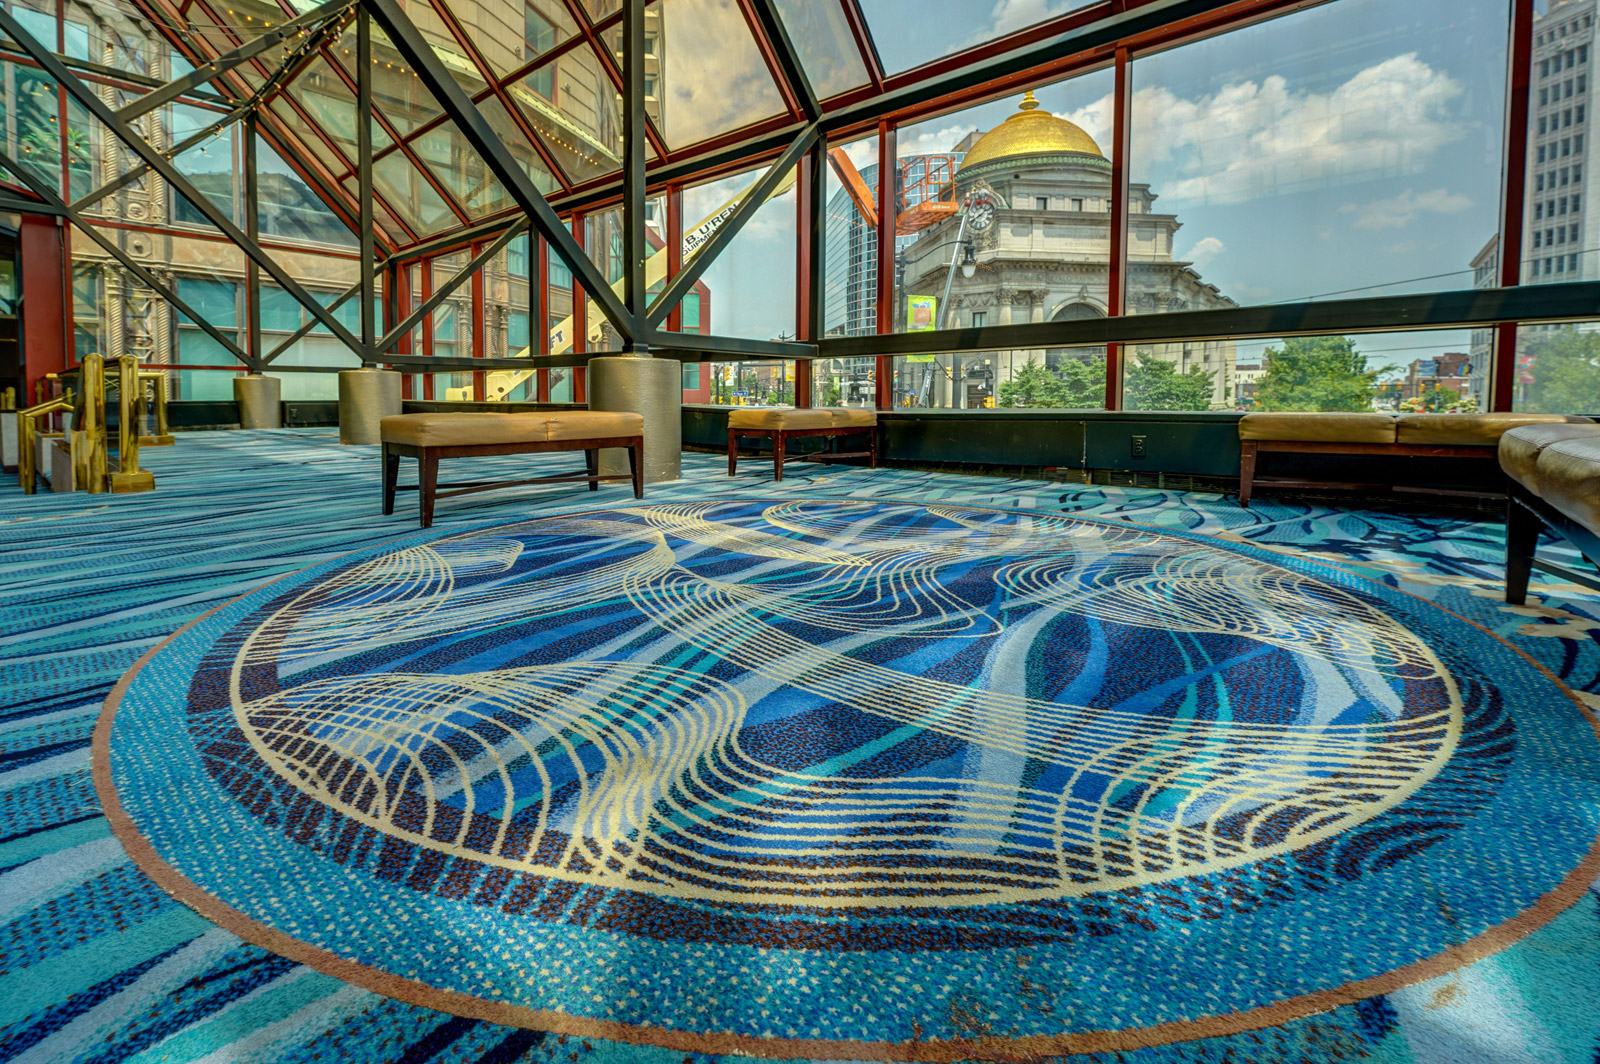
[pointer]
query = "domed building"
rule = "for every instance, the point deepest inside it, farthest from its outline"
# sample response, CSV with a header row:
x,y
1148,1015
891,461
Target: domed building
x,y
1040,230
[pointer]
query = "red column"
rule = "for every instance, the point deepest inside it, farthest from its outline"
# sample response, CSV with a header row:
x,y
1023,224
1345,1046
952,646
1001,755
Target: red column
x,y
1514,170
887,164
1116,298
44,306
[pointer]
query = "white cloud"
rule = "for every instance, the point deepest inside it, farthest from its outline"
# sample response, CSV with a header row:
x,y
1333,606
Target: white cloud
x,y
1397,212
1204,250
1255,139
1008,16
934,143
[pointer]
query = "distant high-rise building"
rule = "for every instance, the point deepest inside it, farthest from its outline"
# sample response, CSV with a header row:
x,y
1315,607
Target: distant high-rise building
x,y
1562,236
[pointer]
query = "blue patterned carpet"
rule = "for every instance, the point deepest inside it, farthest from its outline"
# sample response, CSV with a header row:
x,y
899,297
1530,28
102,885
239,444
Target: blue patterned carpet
x,y
98,963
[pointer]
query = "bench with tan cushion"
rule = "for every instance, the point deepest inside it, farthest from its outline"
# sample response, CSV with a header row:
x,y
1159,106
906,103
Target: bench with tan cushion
x,y
779,424
430,437
1412,435
1555,484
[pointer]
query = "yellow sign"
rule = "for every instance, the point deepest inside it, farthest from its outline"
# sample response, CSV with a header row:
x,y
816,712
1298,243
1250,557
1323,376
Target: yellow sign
x,y
921,313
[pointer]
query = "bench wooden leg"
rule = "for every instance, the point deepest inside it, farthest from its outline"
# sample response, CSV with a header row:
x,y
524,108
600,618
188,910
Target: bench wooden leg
x,y
1522,540
733,452
778,439
427,485
872,447
1247,470
391,476
591,465
636,467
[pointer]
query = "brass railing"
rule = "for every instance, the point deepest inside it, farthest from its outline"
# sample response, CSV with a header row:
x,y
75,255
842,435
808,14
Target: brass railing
x,y
86,442
163,434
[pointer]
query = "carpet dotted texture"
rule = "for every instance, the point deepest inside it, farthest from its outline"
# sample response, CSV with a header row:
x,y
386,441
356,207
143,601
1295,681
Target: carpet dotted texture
x,y
98,963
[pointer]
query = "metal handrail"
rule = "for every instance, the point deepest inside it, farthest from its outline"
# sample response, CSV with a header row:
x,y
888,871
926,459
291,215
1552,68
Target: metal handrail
x,y
28,440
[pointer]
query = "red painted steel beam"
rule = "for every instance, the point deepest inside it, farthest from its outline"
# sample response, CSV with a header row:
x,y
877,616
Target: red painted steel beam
x,y
1514,186
1117,295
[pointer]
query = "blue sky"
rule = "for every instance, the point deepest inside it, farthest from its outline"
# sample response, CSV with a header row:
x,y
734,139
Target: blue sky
x,y
1351,149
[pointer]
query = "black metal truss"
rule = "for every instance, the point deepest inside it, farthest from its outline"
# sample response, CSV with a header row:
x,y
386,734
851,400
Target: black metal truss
x,y
329,25
57,205
332,11
475,129
444,291
162,165
753,200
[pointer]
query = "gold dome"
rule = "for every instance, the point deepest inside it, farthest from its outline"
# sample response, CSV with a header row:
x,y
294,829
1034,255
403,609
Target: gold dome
x,y
1030,132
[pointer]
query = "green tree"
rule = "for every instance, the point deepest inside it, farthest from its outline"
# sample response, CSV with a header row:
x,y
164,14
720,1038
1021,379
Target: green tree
x,y
1155,384
1561,374
1076,384
1317,373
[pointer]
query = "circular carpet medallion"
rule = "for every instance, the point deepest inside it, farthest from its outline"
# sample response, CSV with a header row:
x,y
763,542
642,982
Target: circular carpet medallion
x,y
851,778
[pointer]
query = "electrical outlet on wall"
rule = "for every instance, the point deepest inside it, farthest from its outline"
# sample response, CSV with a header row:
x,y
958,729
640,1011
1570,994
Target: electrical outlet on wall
x,y
1138,445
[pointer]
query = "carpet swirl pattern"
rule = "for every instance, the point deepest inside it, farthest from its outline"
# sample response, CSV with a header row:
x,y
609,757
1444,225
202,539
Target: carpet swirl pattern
x,y
854,778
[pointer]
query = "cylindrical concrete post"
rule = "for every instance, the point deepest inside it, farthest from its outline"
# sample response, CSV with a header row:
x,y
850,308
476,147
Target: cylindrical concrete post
x,y
649,386
259,400
366,397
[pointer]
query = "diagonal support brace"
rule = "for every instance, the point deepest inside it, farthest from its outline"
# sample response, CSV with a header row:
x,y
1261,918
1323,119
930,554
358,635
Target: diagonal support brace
x,y
97,108
473,126
685,278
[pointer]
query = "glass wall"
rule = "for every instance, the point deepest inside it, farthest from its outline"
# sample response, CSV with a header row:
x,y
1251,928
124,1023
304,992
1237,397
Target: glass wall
x,y
1557,369
1071,378
750,289
1349,150
768,382
850,272
1404,372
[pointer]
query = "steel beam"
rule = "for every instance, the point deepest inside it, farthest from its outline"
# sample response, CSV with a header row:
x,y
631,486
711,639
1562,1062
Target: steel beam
x,y
684,279
364,192
97,108
205,72
415,50
734,347
794,72
1473,307
242,109
55,205
634,246
252,229
440,294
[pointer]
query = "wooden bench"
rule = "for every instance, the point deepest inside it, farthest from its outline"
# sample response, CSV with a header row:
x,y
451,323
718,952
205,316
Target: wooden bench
x,y
430,437
1555,485
781,424
1406,435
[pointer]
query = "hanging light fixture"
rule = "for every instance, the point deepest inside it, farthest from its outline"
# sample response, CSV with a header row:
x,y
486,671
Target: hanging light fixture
x,y
969,261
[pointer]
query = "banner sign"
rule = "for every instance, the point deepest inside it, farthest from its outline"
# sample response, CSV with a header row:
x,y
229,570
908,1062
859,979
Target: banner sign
x,y
921,313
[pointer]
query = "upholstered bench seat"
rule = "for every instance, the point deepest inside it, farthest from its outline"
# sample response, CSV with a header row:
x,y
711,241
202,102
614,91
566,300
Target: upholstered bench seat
x,y
466,429
1555,483
1318,427
430,437
781,423
1361,432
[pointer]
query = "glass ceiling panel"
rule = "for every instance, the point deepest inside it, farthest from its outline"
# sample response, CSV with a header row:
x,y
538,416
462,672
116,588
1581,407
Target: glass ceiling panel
x,y
385,221
575,109
419,205
331,104
513,34
504,128
460,65
304,137
397,92
827,48
909,33
462,170
711,76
